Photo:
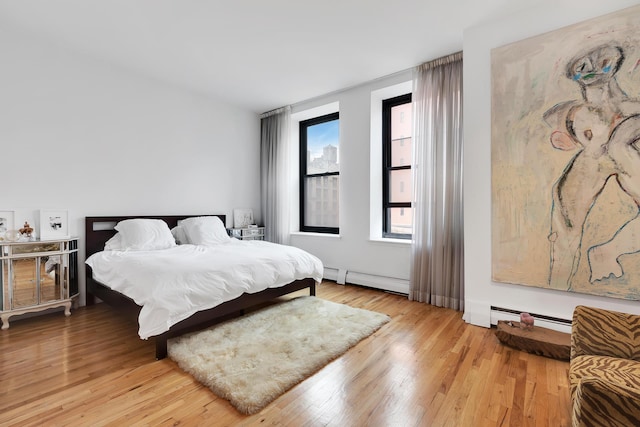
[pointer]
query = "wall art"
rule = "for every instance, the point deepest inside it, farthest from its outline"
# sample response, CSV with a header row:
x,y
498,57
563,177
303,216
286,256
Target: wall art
x,y
565,126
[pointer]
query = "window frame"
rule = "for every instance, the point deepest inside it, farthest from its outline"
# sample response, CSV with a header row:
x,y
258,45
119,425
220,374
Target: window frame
x,y
387,105
303,126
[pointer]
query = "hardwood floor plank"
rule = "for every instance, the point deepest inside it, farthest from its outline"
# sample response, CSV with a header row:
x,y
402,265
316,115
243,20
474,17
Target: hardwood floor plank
x,y
424,368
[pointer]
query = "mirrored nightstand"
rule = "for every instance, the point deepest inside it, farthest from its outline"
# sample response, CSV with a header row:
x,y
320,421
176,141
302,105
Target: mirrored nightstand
x,y
35,276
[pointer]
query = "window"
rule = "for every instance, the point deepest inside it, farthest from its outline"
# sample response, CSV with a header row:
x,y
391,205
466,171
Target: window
x,y
319,174
397,184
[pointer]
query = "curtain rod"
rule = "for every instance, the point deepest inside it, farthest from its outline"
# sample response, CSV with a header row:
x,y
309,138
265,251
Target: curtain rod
x,y
275,111
445,59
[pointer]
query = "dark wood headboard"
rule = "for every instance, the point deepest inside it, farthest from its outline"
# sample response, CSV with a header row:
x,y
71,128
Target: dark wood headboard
x,y
99,229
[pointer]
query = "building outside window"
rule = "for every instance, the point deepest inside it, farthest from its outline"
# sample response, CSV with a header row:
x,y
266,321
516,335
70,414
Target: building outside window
x,y
397,190
320,174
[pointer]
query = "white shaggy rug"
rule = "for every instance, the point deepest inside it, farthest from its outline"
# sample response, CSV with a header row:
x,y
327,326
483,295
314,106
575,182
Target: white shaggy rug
x,y
254,359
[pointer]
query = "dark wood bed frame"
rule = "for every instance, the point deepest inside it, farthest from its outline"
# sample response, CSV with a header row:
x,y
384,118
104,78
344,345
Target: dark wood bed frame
x,y
99,229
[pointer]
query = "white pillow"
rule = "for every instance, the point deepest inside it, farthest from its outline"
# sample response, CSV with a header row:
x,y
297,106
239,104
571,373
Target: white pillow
x,y
114,243
180,235
205,230
141,234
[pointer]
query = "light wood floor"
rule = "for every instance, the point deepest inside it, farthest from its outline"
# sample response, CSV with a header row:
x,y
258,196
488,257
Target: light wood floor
x,y
424,368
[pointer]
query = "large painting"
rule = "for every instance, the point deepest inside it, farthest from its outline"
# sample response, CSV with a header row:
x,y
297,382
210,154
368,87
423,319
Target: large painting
x,y
566,158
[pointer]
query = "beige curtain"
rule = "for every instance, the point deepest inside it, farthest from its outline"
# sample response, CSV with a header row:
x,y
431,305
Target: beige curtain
x,y
274,174
437,250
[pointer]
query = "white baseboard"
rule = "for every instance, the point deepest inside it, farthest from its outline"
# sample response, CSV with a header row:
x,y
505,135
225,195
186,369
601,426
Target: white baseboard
x,y
342,276
330,274
391,284
481,313
477,313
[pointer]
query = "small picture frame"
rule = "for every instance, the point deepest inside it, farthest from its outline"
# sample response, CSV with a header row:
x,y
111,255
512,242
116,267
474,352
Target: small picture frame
x,y
54,224
242,218
6,224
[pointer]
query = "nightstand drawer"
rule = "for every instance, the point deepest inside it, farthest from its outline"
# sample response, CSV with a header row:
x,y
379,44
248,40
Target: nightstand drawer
x,y
253,233
258,231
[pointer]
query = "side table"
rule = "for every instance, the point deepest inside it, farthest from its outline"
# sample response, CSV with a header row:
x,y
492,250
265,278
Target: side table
x,y
540,341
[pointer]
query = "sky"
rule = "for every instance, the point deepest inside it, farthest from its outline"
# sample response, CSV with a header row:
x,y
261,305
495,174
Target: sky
x,y
321,135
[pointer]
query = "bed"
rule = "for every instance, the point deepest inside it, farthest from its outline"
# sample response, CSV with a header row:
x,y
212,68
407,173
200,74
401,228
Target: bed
x,y
100,230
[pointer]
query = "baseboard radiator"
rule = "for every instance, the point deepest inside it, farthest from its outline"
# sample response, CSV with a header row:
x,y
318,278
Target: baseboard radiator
x,y
390,284
556,323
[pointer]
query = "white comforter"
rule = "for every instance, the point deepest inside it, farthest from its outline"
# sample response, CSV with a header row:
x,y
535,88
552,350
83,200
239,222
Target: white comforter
x,y
172,284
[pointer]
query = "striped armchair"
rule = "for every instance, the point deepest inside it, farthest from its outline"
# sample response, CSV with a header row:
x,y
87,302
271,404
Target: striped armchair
x,y
604,372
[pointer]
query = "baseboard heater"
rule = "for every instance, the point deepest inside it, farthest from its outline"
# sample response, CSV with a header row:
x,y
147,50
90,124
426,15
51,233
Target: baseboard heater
x,y
550,319
389,284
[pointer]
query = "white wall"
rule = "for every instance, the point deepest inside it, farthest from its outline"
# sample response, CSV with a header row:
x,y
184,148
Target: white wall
x,y
81,135
363,258
480,292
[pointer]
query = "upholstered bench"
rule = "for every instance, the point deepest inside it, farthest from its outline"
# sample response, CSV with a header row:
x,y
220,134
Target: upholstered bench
x,y
604,371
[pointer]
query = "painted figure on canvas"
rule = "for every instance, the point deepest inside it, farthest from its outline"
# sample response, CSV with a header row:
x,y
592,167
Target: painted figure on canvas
x,y
604,125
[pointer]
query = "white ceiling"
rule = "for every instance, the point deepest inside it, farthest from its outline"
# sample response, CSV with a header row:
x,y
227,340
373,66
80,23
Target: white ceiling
x,y
258,55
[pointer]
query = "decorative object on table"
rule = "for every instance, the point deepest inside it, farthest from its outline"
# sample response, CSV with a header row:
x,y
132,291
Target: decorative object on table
x,y
540,341
54,224
252,360
26,233
242,218
526,321
6,223
11,236
30,218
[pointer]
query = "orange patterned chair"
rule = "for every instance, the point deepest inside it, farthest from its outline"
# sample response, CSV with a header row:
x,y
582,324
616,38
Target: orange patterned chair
x,y
604,372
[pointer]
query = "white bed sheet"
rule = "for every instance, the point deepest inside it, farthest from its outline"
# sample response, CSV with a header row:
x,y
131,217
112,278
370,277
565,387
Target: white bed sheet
x,y
172,284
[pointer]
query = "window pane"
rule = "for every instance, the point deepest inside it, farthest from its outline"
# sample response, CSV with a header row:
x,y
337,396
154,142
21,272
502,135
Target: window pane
x,y
321,204
401,220
401,129
400,186
401,120
401,152
323,141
